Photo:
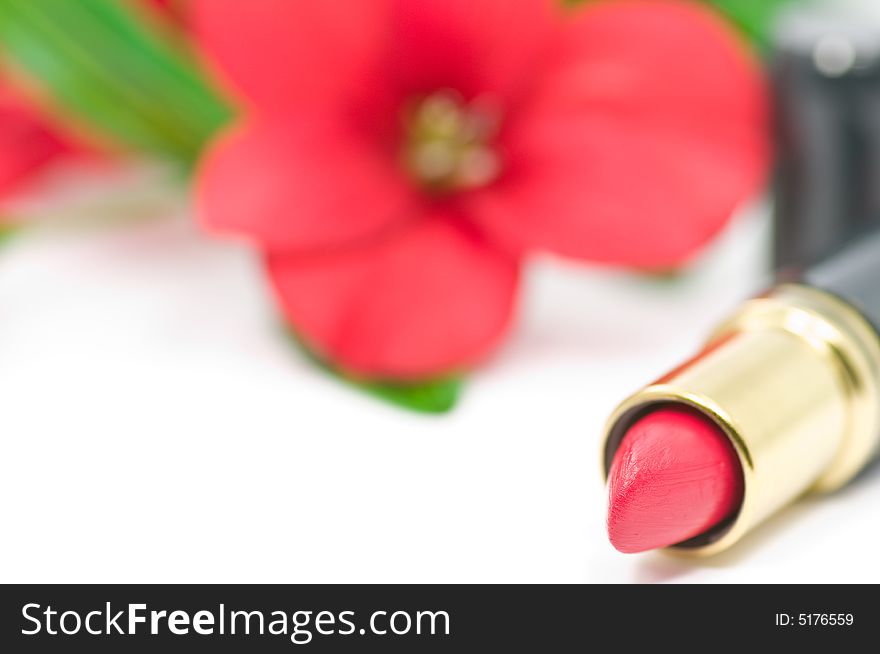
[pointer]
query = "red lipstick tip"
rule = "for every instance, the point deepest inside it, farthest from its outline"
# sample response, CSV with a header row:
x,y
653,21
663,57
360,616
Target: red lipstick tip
x,y
674,476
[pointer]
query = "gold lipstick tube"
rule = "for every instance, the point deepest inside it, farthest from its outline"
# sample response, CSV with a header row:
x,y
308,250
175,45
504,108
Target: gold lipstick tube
x,y
793,380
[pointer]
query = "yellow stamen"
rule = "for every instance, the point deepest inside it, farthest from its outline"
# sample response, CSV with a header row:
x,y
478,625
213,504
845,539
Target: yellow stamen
x,y
448,143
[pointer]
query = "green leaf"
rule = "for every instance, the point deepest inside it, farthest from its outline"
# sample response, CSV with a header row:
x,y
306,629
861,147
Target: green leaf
x,y
435,396
425,396
103,64
666,276
754,17
6,233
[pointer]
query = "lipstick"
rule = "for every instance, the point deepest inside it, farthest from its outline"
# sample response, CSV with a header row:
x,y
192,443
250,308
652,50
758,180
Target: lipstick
x,y
783,400
825,66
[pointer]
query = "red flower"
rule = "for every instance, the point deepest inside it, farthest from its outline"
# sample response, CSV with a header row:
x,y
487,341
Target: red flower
x,y
28,142
397,158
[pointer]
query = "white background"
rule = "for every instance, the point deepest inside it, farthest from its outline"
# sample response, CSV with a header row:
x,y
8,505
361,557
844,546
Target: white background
x,y
155,426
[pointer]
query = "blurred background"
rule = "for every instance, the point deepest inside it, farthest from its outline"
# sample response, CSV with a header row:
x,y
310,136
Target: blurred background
x,y
254,330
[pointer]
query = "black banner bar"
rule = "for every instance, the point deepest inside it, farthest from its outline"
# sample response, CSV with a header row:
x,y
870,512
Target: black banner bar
x,y
120,618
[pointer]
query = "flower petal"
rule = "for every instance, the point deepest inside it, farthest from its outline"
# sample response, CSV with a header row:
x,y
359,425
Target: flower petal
x,y
285,53
648,132
423,302
299,185
28,142
475,47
